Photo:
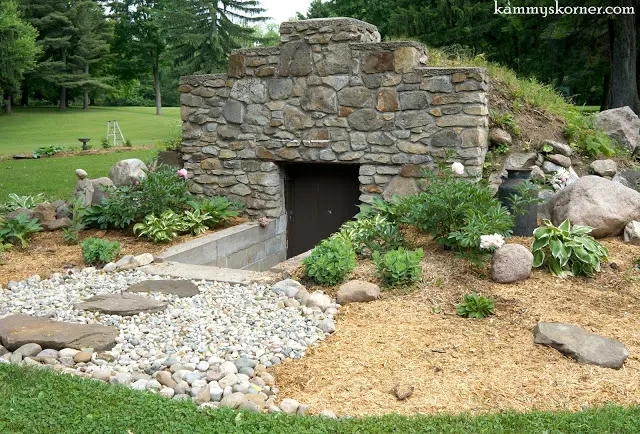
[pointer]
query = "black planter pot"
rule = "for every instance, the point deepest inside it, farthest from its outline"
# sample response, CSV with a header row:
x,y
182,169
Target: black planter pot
x,y
524,224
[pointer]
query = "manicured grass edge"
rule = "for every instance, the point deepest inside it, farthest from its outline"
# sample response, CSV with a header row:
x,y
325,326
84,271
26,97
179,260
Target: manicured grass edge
x,y
35,400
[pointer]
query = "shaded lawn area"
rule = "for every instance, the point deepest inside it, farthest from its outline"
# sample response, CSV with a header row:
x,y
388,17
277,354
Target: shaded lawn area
x,y
29,128
55,177
39,401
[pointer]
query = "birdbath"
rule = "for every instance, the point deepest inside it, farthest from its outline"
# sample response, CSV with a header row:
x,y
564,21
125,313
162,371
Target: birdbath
x,y
84,143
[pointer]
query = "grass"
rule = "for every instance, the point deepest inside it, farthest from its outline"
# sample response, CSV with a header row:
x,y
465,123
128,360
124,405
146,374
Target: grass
x,y
29,128
55,177
40,401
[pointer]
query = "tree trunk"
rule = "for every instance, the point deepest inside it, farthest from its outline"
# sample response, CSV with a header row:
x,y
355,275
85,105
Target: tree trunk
x,y
605,91
24,99
624,87
9,104
63,90
156,86
86,89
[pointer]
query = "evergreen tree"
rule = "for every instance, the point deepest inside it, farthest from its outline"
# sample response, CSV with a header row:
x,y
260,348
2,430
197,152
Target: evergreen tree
x,y
203,32
18,49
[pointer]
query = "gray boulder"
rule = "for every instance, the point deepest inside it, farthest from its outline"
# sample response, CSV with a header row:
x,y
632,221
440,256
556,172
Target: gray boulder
x,y
100,189
520,160
632,233
287,287
498,136
629,178
357,291
511,263
579,344
559,148
128,171
604,168
593,201
560,160
622,125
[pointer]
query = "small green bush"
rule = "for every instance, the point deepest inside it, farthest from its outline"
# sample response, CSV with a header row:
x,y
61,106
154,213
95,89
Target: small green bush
x,y
196,221
567,250
19,229
330,261
372,234
98,252
399,267
47,151
475,306
160,229
219,208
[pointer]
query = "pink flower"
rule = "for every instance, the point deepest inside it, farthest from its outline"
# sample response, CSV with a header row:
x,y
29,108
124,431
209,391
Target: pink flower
x,y
137,182
182,173
457,168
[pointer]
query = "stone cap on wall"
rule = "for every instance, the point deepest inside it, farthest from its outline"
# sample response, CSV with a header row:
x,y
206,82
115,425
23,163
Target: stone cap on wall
x,y
327,24
360,46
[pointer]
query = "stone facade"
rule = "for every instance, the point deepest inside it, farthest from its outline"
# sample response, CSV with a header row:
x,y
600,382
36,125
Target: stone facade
x,y
331,92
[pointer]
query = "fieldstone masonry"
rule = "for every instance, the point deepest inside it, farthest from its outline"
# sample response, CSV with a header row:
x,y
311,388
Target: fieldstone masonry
x,y
331,92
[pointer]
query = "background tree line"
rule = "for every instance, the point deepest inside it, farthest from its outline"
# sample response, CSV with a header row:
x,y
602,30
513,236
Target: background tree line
x,y
593,58
128,52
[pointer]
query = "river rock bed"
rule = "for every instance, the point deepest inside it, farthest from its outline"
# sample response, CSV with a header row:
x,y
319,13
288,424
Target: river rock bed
x,y
213,347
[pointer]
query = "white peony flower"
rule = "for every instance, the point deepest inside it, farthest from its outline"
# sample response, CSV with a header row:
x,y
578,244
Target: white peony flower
x,y
457,168
491,241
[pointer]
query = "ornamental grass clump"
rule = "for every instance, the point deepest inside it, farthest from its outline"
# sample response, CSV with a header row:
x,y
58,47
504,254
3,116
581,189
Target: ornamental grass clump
x,y
330,261
567,250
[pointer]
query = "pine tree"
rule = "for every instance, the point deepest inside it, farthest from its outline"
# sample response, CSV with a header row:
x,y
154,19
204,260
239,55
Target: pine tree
x,y
18,49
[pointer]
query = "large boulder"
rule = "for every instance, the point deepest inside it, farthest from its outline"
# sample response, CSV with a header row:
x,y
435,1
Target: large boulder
x,y
357,291
128,171
512,263
622,125
629,178
18,330
593,201
101,188
580,345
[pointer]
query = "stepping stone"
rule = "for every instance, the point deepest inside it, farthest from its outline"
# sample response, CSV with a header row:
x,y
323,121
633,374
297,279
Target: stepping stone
x,y
18,330
181,288
579,344
121,304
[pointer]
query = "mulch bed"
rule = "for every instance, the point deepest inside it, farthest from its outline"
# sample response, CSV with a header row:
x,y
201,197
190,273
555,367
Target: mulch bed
x,y
462,365
48,253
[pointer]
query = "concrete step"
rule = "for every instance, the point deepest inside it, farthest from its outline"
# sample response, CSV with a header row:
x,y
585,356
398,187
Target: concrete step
x,y
216,274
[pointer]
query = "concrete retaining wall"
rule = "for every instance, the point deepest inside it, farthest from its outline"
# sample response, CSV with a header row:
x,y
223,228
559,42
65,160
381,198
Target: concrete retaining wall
x,y
247,247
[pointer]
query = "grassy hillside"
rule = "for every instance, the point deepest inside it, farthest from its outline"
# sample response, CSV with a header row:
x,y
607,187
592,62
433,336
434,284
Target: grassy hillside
x,y
55,177
27,129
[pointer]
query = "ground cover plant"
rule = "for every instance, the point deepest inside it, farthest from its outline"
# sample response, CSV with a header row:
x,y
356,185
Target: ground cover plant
x,y
475,306
330,261
399,267
98,252
31,128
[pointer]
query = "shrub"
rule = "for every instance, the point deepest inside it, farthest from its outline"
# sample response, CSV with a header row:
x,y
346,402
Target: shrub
x,y
160,229
119,210
567,250
394,211
475,306
47,151
71,234
19,229
399,267
98,252
219,208
371,234
330,261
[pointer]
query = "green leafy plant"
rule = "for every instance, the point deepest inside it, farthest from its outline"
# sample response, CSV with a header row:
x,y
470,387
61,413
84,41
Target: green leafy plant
x,y
71,234
218,208
117,210
97,252
160,229
170,144
196,221
19,229
27,202
371,234
330,261
502,149
547,148
105,143
399,267
587,139
47,151
128,143
505,120
475,306
567,250
394,211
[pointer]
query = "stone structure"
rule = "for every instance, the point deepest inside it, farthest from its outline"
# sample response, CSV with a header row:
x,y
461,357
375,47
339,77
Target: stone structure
x,y
331,92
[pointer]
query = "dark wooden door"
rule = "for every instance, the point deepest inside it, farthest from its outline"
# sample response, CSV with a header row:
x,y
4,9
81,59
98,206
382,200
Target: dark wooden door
x,y
319,198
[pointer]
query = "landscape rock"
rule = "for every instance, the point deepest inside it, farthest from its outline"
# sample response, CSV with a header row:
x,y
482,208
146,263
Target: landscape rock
x,y
559,148
327,325
581,345
560,160
357,291
13,214
17,330
629,178
593,201
622,125
606,168
318,299
520,160
143,259
121,304
498,136
550,168
126,172
632,233
82,357
101,188
233,400
511,263
28,350
288,287
289,406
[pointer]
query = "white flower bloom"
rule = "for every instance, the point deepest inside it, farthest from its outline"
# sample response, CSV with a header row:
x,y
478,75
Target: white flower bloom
x,y
457,168
491,241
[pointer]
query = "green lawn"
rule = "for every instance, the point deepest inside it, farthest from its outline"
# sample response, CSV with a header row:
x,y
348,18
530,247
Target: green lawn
x,y
38,401
27,129
55,177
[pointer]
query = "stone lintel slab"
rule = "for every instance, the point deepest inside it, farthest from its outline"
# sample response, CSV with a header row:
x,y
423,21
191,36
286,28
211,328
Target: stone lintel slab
x,y
205,272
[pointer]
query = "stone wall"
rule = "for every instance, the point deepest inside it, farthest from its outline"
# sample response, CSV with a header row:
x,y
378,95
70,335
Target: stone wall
x,y
331,92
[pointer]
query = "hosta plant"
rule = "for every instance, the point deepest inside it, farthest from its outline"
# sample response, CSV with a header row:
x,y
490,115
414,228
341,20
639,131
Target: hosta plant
x,y
399,267
160,229
19,229
196,221
567,250
330,261
96,251
475,306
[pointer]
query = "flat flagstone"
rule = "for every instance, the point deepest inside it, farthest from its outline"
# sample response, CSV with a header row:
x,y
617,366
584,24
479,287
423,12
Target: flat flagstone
x,y
121,304
18,330
181,288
